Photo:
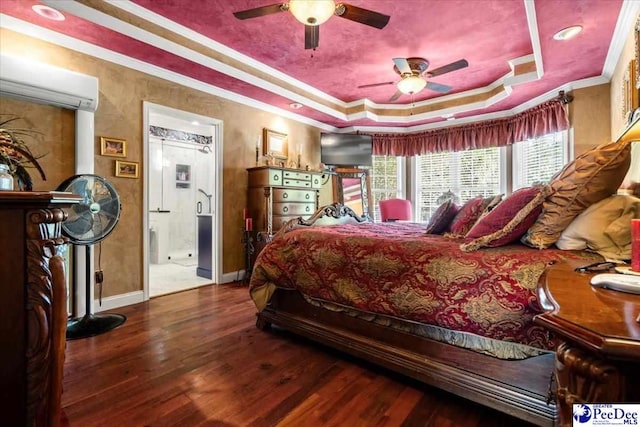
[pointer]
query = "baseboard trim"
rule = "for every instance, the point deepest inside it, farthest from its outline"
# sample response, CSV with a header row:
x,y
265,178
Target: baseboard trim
x,y
117,301
234,276
135,297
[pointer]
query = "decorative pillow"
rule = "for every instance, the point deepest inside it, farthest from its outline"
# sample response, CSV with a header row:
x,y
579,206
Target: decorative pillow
x,y
442,217
508,221
591,177
469,214
604,227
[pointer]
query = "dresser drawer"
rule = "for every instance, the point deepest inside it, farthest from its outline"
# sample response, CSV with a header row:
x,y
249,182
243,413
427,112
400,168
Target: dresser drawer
x,y
293,208
296,183
290,195
316,181
299,176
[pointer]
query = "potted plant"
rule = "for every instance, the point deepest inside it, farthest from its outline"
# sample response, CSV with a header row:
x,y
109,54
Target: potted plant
x,y
15,153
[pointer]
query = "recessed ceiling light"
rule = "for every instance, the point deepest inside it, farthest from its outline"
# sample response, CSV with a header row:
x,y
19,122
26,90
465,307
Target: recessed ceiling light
x,y
568,33
48,12
195,122
295,105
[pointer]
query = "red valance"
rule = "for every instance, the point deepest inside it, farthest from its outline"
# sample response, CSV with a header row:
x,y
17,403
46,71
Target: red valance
x,y
546,118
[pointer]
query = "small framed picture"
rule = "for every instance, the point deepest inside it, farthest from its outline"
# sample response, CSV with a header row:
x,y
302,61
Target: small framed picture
x,y
126,169
113,147
274,144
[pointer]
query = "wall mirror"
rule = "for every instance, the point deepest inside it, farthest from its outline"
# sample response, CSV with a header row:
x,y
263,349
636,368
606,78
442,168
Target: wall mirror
x,y
351,187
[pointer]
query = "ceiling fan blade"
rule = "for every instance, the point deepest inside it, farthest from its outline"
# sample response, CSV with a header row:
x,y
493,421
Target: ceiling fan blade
x,y
438,87
311,36
363,16
375,84
403,65
395,96
260,11
448,68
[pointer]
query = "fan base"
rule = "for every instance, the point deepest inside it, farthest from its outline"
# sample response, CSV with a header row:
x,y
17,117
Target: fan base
x,y
93,324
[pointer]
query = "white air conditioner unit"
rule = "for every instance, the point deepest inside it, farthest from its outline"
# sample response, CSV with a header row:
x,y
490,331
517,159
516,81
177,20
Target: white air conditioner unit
x,y
42,83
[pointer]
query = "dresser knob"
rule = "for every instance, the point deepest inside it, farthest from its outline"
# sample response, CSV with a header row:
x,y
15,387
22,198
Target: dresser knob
x,y
308,209
276,177
285,209
285,195
306,196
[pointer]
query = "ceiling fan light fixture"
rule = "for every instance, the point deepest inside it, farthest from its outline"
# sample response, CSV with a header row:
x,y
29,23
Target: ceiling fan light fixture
x,y
568,33
312,12
411,84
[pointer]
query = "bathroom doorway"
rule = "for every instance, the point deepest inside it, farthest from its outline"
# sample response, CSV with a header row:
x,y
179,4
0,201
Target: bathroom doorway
x,y
183,154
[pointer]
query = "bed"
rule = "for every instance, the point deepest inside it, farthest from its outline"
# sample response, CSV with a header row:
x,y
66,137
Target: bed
x,y
416,304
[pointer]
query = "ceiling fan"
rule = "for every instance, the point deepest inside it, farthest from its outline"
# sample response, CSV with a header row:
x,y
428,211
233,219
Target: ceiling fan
x,y
312,13
413,76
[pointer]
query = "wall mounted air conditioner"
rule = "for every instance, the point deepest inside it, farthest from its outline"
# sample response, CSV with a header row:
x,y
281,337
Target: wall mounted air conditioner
x,y
42,83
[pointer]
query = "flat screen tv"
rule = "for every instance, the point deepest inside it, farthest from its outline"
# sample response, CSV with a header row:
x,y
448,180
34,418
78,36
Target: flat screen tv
x,y
346,149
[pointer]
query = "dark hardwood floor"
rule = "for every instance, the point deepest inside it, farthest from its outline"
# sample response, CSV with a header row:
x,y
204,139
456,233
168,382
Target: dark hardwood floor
x,y
195,358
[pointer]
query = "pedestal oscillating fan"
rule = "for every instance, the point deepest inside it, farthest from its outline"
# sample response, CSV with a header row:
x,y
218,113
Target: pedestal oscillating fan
x,y
88,223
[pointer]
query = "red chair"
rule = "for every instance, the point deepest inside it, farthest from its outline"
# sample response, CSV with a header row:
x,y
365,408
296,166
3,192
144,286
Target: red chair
x,y
395,210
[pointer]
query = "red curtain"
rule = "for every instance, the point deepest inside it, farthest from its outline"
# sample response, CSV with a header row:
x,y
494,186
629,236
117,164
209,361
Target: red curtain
x,y
541,120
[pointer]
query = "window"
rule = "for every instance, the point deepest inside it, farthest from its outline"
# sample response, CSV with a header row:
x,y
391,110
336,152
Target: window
x,y
465,173
386,175
536,161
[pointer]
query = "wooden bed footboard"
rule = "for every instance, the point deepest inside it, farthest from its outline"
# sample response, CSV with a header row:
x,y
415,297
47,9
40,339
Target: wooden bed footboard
x,y
520,388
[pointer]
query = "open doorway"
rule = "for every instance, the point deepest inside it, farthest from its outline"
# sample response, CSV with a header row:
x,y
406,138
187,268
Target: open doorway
x,y
182,193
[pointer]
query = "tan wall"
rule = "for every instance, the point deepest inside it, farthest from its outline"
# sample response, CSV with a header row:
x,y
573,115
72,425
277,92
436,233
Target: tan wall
x,y
618,119
589,117
51,139
119,115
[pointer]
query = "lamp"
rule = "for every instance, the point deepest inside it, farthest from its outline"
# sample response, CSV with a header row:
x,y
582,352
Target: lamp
x,y
312,12
411,84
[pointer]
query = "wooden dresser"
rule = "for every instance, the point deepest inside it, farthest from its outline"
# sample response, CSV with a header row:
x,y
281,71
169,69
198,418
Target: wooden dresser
x,y
33,318
598,356
277,195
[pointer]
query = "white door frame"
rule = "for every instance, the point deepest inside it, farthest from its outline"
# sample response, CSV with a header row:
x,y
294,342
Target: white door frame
x,y
216,250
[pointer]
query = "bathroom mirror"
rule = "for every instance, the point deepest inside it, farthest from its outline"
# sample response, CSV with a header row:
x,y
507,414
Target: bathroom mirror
x,y
351,188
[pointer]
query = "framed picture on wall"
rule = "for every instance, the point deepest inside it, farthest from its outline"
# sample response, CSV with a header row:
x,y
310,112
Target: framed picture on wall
x,y
126,169
274,144
113,147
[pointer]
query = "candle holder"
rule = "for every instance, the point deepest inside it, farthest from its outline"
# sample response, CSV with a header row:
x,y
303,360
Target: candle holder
x,y
249,250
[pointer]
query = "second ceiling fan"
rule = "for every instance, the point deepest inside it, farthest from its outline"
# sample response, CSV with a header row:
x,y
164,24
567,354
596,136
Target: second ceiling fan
x,y
312,13
413,76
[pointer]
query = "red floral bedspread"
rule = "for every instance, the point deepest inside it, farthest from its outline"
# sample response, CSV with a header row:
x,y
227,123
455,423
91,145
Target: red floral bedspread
x,y
396,269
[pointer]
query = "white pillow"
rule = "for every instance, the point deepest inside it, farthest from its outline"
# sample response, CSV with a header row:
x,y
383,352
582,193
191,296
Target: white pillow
x,y
604,227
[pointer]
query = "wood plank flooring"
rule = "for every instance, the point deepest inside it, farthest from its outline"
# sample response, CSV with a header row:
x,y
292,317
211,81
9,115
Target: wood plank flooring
x,y
195,358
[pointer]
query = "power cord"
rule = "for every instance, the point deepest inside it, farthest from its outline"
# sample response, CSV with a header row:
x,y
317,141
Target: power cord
x,y
99,274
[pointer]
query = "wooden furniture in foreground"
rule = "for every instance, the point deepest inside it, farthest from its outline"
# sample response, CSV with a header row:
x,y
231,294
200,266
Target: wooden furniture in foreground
x,y
598,358
33,319
520,388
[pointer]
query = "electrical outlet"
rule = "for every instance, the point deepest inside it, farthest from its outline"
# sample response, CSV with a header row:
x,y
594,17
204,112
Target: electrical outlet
x,y
99,276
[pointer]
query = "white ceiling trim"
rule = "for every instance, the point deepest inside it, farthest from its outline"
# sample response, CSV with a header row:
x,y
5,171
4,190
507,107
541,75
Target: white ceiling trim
x,y
626,20
129,30
578,84
194,36
151,39
31,30
534,35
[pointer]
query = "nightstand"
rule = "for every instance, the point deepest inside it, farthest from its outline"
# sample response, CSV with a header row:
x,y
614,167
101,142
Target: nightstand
x,y
598,354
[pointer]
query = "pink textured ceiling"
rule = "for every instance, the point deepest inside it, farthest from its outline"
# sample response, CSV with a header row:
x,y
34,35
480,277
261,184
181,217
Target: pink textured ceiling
x,y
487,33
